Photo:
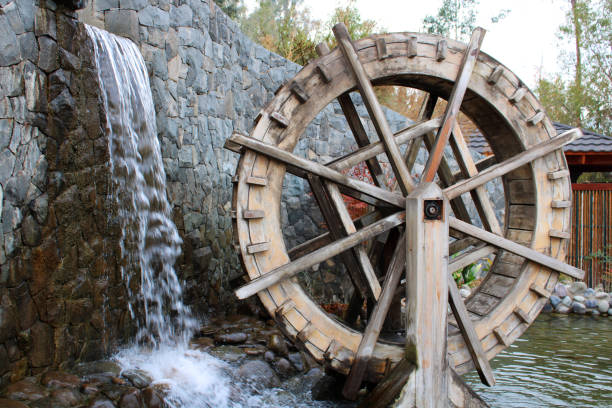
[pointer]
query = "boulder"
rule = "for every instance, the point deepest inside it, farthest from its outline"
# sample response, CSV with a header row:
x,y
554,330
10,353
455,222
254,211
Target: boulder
x,y
579,299
567,301
577,288
578,308
555,300
560,290
603,306
259,373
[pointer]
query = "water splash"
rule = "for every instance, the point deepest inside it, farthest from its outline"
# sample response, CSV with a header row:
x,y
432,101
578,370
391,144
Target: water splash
x,y
150,243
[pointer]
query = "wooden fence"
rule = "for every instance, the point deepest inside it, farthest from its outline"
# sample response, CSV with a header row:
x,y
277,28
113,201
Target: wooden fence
x,y
590,248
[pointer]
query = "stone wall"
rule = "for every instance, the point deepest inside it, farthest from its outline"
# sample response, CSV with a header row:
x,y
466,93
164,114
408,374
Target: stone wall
x,y
61,296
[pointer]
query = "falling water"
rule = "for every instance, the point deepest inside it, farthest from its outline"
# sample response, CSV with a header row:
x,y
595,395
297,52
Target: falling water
x,y
150,243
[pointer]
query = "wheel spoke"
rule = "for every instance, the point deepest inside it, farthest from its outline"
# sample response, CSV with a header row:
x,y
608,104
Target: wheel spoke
x,y
483,204
454,103
518,249
354,122
375,323
374,109
311,167
469,334
513,163
340,225
470,257
426,112
292,268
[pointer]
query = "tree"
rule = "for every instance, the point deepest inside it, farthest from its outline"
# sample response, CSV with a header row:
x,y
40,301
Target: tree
x,y
350,16
582,94
233,8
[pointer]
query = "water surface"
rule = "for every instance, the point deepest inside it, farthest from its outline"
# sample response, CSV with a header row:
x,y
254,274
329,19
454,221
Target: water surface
x,y
560,361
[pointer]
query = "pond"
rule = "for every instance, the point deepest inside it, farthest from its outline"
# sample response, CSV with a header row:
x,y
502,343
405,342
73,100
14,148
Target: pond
x,y
560,361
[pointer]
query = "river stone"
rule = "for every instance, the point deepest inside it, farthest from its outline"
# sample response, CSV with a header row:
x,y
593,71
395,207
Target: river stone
x,y
554,300
283,367
258,372
563,309
139,378
151,398
589,292
603,306
577,288
269,356
130,399
65,397
546,309
560,290
60,379
590,303
98,367
595,312
278,345
101,403
25,390
297,361
610,312
579,299
231,338
578,308
7,403
602,296
567,301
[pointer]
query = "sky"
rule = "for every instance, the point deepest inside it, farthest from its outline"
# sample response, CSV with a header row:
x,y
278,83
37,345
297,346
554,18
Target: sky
x,y
525,41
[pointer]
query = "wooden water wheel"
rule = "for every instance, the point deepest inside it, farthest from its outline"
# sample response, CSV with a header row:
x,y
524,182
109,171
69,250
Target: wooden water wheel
x,y
528,247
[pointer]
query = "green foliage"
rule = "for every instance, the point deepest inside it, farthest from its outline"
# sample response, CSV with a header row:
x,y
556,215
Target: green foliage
x,y
350,16
233,8
581,95
470,274
602,256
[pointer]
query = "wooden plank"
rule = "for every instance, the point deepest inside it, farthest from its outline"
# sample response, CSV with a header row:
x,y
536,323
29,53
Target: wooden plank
x,y
515,248
381,49
374,109
292,268
555,175
561,204
518,95
387,390
412,46
280,119
461,244
425,113
375,322
258,181
522,315
503,339
481,363
258,247
559,234
310,245
453,105
481,303
470,257
521,216
253,214
513,163
283,308
317,169
481,165
299,92
306,332
497,285
495,75
441,50
461,395
427,298
536,118
521,192
540,290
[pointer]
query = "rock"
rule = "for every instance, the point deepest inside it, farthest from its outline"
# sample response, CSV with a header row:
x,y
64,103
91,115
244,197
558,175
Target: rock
x,y
65,397
579,299
259,373
9,47
202,343
567,301
7,403
560,290
152,16
101,402
269,356
181,16
577,288
228,353
589,292
29,46
465,292
25,390
547,308
30,231
563,309
590,303
603,306
278,345
130,399
328,388
283,367
554,300
578,308
98,367
297,361
602,296
139,378
123,23
610,312
60,379
151,398
48,54
595,312
231,338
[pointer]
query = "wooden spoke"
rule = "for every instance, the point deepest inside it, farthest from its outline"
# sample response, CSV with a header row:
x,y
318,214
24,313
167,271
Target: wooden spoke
x,y
375,323
518,249
374,109
403,136
454,103
292,268
481,199
315,168
354,122
513,163
426,112
470,257
481,165
340,225
469,334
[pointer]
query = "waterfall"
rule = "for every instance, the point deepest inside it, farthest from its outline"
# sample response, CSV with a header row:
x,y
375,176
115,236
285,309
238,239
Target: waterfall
x,y
150,243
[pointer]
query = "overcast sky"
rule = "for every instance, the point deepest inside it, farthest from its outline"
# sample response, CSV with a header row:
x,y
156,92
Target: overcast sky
x,y
524,41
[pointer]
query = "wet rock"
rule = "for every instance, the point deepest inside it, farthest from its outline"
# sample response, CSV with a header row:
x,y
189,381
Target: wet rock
x,y
590,303
231,338
269,356
579,299
603,306
589,292
465,292
98,367
283,367
131,399
7,403
101,402
65,397
60,379
563,309
25,390
48,54
278,345
547,308
9,47
202,343
228,353
567,301
602,296
554,300
259,373
578,308
139,378
328,388
296,361
312,377
610,312
30,231
151,398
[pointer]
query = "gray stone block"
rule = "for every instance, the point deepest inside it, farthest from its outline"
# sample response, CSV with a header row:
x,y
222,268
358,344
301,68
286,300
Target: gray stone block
x,y
181,16
133,4
123,23
29,46
10,52
12,12
48,54
26,11
44,23
102,5
151,16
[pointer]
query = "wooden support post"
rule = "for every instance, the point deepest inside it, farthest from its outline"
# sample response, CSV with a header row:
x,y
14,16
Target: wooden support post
x,y
426,297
